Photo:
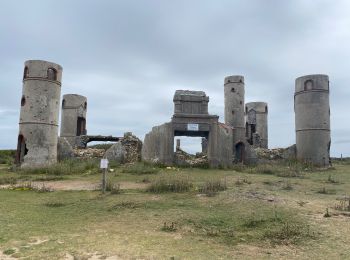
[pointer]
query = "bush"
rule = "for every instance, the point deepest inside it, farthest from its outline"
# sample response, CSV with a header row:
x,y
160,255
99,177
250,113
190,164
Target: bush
x,y
114,188
8,180
140,168
210,188
66,167
168,183
288,233
7,156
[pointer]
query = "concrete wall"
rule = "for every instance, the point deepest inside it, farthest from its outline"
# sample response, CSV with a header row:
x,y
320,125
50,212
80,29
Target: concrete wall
x,y
312,119
74,108
223,141
260,110
234,105
40,104
158,146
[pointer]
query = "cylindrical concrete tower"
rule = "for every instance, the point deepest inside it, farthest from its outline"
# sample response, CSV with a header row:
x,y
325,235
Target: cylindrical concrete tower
x,y
234,106
256,123
73,118
312,119
40,104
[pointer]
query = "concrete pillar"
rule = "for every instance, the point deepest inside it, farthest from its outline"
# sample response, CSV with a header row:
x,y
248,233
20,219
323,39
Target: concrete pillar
x,y
178,144
204,145
256,122
312,119
38,123
234,106
73,118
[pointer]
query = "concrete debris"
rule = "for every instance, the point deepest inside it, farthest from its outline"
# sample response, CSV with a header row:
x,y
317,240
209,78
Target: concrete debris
x,y
185,159
88,153
276,154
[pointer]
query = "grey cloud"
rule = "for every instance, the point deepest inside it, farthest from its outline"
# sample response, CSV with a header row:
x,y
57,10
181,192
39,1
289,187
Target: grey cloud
x,y
128,57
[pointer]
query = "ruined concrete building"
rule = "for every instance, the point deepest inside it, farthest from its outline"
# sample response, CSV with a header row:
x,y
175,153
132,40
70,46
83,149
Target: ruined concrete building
x,y
73,118
256,124
40,105
312,119
241,139
191,118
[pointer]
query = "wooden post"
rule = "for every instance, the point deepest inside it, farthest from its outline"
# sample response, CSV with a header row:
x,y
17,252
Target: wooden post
x,y
104,167
104,180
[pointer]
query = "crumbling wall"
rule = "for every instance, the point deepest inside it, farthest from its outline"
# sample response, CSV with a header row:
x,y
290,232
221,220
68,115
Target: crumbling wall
x,y
64,149
224,143
158,145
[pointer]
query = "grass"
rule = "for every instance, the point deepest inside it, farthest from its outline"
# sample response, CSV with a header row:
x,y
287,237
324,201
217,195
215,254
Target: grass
x,y
140,168
170,183
163,216
212,187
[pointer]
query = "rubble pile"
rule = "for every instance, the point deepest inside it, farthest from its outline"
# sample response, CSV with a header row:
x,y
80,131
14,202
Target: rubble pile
x,y
185,159
128,150
88,153
132,146
276,154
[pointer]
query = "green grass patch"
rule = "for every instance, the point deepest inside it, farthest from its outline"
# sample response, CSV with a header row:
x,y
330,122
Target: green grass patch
x,y
170,183
140,168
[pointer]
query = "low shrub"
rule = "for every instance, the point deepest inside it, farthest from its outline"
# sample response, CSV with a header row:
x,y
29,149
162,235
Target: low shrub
x,y
169,227
288,233
66,167
210,188
7,156
170,183
114,188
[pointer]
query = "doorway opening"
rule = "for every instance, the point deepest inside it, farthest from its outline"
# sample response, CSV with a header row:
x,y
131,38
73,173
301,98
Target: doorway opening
x,y
81,126
21,149
239,152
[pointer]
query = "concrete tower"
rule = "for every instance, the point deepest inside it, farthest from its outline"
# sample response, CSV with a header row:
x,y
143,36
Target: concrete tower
x,y
312,119
234,113
256,124
73,118
40,104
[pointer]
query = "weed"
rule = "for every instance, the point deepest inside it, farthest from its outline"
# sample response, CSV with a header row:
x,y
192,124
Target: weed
x,y
210,188
9,251
241,181
114,188
327,215
140,168
66,167
288,233
170,183
265,169
323,190
169,228
125,205
331,179
344,204
239,167
287,185
8,180
301,203
54,204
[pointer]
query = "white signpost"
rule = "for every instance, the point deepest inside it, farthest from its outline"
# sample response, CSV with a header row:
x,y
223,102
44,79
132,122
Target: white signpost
x,y
104,166
192,127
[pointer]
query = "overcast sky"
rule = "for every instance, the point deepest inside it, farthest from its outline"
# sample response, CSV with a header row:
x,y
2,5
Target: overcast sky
x,y
129,57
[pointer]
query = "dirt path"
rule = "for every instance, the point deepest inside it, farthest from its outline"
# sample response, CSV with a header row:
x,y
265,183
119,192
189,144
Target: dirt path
x,y
76,185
